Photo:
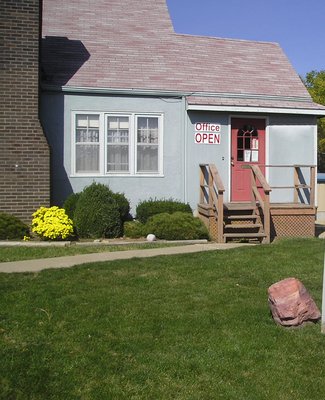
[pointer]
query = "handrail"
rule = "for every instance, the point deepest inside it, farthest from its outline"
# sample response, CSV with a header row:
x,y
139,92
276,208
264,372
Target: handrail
x,y
264,203
301,185
217,179
211,193
298,183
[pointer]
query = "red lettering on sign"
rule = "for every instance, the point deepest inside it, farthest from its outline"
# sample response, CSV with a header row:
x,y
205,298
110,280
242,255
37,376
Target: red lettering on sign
x,y
206,127
216,138
207,138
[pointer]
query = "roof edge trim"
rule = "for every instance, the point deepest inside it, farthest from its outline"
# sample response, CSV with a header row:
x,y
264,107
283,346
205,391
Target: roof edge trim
x,y
127,91
264,110
169,93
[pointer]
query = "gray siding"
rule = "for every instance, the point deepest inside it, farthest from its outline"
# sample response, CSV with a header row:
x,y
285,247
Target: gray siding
x,y
291,141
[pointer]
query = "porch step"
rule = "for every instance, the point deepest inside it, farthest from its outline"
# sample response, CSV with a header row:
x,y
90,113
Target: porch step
x,y
241,221
243,226
240,206
241,217
245,235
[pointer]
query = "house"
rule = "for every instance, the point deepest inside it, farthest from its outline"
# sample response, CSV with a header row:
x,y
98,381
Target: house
x,y
225,125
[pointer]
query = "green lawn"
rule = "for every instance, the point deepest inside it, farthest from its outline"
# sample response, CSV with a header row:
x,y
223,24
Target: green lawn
x,y
17,253
176,327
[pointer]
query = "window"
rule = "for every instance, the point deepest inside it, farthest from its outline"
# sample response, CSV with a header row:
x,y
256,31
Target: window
x,y
247,144
87,143
116,143
147,144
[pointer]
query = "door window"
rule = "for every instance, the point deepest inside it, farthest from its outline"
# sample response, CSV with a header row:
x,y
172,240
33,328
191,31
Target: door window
x,y
247,144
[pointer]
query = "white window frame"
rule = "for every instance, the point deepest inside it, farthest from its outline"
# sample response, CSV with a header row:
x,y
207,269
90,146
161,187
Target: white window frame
x,y
74,143
133,116
106,116
160,130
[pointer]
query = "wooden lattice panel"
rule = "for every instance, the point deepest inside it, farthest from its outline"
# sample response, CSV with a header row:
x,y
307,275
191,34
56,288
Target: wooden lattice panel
x,y
207,216
213,228
211,223
292,226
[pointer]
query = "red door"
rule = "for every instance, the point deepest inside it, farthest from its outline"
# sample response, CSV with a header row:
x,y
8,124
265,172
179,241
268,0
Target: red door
x,y
247,147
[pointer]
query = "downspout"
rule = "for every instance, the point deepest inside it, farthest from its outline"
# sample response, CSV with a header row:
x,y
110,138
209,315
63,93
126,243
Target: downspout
x,y
315,163
184,128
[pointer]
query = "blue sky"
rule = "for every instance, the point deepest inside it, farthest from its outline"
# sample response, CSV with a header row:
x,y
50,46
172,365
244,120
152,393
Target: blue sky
x,y
297,25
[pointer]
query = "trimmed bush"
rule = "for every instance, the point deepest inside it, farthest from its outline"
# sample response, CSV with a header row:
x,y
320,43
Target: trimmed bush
x,y
134,229
97,213
123,205
70,204
176,226
12,227
149,208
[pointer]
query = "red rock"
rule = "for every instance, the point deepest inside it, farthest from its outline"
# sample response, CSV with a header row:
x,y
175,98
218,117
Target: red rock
x,y
291,304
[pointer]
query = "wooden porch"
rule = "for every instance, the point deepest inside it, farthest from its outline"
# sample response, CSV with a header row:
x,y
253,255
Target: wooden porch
x,y
259,219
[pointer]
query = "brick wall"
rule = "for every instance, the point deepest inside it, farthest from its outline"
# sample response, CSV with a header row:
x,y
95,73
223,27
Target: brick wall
x,y
24,152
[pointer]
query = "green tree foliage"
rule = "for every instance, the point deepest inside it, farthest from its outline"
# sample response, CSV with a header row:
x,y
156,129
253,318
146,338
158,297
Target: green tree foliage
x,y
315,83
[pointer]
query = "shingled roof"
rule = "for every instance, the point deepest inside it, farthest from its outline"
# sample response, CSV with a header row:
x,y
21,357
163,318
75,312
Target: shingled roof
x,y
131,45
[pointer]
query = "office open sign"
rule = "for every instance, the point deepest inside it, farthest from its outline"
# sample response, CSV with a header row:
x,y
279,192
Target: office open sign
x,y
207,133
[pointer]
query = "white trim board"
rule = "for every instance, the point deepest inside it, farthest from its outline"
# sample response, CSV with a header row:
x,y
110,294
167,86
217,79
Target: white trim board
x,y
265,110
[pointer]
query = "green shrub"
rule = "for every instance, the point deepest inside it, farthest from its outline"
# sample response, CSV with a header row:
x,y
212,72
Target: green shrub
x,y
134,229
70,204
12,228
123,205
176,226
97,213
148,208
52,223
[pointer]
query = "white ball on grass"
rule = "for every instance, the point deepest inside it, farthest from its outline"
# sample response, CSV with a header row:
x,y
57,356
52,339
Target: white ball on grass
x,y
151,237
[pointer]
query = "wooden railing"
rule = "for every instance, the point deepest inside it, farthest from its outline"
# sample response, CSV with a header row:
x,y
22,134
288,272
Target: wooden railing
x,y
300,184
302,190
260,190
211,193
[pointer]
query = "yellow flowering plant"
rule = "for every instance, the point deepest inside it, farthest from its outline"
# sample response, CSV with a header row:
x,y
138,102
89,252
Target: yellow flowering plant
x,y
52,223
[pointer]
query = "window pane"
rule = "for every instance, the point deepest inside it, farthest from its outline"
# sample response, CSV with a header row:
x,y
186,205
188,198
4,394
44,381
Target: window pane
x,y
87,128
112,123
81,121
153,123
87,158
93,121
117,143
147,144
240,155
87,120
117,158
247,142
84,135
147,130
87,143
124,123
147,158
142,123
